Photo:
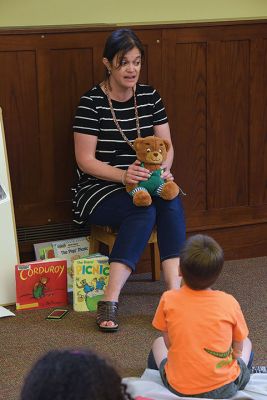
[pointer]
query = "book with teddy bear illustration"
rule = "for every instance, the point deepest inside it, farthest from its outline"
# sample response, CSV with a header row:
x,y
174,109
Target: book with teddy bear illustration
x,y
90,277
41,284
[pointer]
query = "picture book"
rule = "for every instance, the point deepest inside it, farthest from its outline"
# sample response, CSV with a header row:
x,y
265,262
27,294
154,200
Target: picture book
x,y
70,250
41,284
90,277
43,250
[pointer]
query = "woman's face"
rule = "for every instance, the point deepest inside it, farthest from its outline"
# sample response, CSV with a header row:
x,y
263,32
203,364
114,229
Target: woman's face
x,y
125,73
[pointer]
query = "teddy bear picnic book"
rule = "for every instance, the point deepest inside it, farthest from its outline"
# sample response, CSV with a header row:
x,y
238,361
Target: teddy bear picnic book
x,y
90,277
41,284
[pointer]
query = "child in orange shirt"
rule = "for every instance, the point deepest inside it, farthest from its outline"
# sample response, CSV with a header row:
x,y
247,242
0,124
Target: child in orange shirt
x,y
204,350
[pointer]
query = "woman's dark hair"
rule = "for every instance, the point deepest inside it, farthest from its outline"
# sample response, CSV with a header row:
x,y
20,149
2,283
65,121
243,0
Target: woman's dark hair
x,y
120,42
71,375
201,261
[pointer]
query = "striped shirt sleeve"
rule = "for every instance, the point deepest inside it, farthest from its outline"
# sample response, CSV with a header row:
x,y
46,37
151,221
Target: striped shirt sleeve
x,y
86,119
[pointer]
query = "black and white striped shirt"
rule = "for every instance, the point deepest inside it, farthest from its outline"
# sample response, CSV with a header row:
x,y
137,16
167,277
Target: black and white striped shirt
x,y
93,117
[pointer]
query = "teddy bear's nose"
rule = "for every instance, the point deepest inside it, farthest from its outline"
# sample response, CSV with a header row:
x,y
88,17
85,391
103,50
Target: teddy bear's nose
x,y
155,154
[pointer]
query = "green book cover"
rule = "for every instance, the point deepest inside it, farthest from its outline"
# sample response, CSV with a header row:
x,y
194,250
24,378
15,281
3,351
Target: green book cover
x,y
90,277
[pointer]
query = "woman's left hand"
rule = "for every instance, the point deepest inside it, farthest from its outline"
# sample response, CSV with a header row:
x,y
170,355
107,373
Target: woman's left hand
x,y
167,175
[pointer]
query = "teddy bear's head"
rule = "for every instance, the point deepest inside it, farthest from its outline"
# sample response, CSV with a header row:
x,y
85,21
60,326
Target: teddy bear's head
x,y
151,149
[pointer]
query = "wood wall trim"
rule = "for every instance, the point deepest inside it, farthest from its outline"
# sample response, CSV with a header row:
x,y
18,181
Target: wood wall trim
x,y
108,27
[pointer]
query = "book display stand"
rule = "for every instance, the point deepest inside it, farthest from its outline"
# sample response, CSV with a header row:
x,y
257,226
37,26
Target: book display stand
x,y
9,255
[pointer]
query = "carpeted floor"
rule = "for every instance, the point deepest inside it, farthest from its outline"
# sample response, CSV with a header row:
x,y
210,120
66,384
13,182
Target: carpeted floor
x,y
28,335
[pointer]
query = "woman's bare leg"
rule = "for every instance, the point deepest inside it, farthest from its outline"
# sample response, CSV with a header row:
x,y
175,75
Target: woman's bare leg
x,y
118,275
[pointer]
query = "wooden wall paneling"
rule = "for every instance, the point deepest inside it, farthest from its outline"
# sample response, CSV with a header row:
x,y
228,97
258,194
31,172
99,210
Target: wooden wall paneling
x,y
151,71
71,75
19,100
228,124
71,39
245,241
41,212
185,66
219,31
258,123
226,217
221,118
98,67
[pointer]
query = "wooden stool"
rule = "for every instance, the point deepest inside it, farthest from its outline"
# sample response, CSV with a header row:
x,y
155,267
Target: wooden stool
x,y
106,235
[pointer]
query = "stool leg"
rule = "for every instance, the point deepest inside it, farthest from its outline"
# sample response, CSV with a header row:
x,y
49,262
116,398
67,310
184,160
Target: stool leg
x,y
155,261
94,246
111,243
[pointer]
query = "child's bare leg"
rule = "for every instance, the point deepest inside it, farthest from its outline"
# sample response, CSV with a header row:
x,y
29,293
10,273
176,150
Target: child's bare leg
x,y
171,273
159,350
247,346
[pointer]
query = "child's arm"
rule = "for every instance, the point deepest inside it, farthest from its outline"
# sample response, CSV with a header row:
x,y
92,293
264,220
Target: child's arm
x,y
237,349
166,339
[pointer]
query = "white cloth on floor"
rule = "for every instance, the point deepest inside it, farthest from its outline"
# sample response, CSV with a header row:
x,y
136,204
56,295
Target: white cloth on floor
x,y
150,385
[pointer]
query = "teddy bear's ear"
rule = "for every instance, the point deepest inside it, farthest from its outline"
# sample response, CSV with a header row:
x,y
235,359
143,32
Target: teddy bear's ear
x,y
137,143
167,144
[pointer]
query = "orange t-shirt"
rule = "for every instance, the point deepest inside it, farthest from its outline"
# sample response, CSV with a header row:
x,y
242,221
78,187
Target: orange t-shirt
x,y
199,325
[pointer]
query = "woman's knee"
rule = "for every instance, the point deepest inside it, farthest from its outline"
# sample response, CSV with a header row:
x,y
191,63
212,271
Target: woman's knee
x,y
149,213
141,217
169,207
176,206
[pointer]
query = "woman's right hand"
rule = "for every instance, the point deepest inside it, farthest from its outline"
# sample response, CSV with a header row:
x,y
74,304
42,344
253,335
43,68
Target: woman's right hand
x,y
135,173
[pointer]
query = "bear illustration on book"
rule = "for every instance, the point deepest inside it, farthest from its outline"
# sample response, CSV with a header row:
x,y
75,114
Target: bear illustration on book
x,y
39,287
90,277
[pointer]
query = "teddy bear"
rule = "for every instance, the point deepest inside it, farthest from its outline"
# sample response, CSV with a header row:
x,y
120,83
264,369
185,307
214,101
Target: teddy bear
x,y
152,152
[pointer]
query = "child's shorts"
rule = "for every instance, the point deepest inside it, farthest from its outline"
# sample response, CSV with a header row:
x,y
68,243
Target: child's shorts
x,y
223,392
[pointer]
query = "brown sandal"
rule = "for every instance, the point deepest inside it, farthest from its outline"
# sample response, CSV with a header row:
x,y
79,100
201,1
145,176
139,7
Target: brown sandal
x,y
107,311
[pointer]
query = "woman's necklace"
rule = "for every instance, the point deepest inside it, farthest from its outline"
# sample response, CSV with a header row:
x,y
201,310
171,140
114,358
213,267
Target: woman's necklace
x,y
115,119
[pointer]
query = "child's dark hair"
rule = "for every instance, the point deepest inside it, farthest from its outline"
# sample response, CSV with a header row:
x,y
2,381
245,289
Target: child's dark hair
x,y
201,261
71,375
120,42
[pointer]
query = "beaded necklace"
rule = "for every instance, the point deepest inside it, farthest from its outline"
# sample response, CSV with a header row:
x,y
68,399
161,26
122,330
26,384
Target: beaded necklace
x,y
116,121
